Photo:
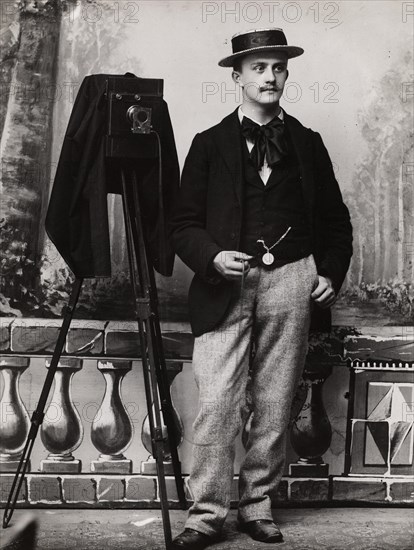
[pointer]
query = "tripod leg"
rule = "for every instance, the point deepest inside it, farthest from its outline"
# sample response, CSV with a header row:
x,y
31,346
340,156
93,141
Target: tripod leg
x,y
161,371
137,253
148,278
158,435
38,415
167,409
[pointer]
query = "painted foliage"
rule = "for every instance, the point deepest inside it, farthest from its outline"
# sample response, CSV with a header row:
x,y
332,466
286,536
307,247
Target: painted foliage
x,y
48,47
382,203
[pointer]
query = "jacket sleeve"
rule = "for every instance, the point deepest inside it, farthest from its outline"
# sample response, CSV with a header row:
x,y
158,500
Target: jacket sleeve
x,y
335,229
192,243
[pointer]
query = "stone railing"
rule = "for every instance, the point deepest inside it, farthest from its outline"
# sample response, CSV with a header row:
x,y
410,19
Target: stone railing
x,y
87,409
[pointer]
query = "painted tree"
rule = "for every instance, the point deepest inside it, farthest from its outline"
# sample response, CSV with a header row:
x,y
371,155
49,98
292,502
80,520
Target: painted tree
x,y
39,38
93,41
28,83
382,197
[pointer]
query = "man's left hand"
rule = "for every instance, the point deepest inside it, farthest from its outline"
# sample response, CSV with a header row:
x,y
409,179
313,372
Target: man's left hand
x,y
324,294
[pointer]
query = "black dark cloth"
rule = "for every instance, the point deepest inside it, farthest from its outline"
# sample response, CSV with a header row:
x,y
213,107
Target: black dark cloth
x,y
270,209
77,216
208,215
268,141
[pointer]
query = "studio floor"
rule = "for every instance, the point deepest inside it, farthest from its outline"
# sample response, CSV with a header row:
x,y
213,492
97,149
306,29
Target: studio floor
x,y
303,529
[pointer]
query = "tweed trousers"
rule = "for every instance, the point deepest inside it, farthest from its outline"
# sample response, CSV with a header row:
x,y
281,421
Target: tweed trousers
x,y
271,308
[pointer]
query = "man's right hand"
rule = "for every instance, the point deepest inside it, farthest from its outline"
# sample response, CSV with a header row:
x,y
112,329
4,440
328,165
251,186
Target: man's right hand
x,y
230,264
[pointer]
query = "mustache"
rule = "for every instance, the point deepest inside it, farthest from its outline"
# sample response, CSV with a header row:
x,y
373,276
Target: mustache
x,y
268,88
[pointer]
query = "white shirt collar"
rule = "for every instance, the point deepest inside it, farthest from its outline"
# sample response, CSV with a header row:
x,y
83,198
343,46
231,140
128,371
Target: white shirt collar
x,y
241,115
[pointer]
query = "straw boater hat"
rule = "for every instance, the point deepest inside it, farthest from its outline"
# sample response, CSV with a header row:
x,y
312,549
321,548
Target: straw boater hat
x,y
259,40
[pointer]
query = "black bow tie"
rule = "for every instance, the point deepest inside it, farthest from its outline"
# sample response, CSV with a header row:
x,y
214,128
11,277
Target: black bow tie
x,y
269,140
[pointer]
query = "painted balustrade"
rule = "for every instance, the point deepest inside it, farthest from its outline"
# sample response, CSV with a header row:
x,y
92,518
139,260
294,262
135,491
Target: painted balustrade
x,y
74,429
62,430
14,418
311,432
149,466
112,430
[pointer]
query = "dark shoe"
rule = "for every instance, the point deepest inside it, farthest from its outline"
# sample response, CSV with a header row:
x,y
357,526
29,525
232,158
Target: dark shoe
x,y
190,539
263,530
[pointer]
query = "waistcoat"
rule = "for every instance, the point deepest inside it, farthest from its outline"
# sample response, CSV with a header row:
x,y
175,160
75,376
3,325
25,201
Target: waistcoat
x,y
270,209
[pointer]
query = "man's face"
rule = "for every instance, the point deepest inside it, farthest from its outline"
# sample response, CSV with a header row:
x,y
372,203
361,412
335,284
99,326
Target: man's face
x,y
262,76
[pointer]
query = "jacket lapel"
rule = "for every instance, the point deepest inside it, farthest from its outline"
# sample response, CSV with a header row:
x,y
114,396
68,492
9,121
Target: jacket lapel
x,y
301,139
228,139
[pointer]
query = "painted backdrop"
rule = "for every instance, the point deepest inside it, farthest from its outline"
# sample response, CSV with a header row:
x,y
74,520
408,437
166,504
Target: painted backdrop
x,y
354,85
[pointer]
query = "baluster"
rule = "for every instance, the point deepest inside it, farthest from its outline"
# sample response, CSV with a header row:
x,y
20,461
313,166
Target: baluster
x,y
14,418
62,430
149,466
311,431
112,429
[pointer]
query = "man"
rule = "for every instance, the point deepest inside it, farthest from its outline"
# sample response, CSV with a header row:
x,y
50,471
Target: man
x,y
261,221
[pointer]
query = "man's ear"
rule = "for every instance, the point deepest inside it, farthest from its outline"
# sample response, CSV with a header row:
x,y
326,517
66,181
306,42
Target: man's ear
x,y
236,77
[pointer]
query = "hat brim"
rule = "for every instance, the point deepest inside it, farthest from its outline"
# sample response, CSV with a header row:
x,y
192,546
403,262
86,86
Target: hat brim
x,y
291,51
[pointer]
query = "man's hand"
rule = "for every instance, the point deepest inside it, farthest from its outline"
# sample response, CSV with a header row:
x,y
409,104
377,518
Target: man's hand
x,y
324,294
230,264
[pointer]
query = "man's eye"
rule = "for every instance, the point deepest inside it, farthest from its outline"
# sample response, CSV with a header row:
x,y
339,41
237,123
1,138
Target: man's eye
x,y
259,68
279,69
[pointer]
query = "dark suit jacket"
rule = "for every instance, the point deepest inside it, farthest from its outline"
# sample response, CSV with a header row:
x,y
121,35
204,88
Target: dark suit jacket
x,y
207,217
77,216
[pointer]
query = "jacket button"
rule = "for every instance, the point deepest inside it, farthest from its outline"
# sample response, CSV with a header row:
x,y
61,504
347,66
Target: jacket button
x,y
233,236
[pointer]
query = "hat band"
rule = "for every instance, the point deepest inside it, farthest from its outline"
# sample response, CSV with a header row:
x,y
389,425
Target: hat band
x,y
258,39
